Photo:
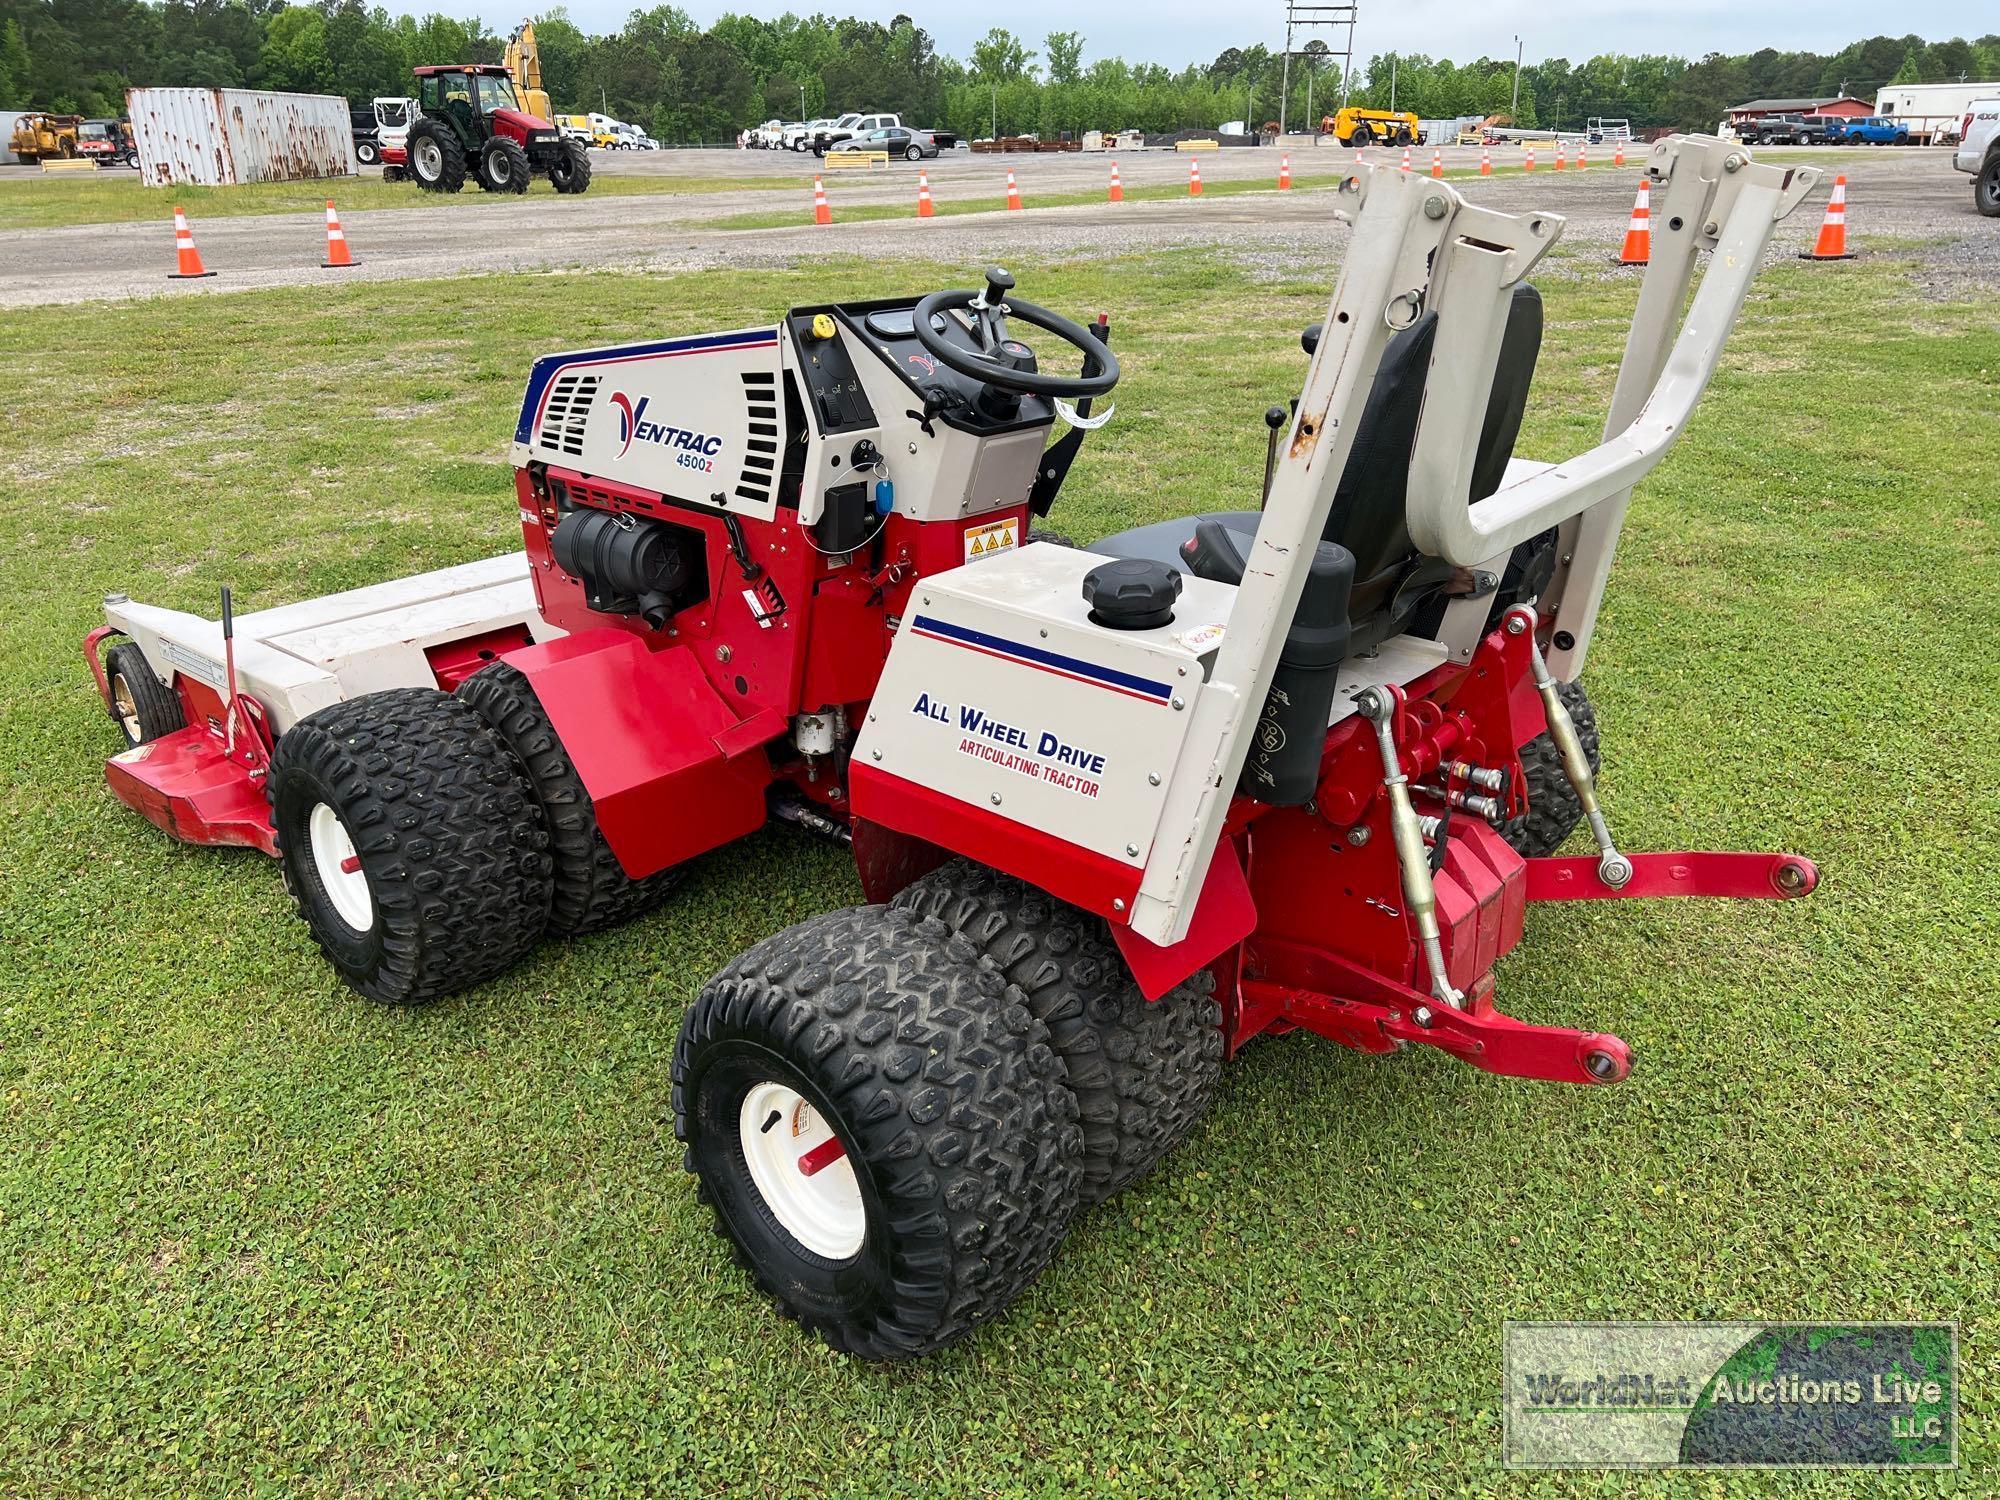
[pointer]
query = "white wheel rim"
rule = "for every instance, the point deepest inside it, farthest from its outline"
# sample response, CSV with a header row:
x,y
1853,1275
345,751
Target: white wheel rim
x,y
784,1138
430,159
340,874
128,708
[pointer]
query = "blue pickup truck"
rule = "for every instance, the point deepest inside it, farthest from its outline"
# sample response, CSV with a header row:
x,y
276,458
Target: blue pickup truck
x,y
1873,131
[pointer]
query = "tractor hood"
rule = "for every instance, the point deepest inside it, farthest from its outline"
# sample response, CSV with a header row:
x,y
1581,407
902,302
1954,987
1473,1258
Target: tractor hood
x,y
521,120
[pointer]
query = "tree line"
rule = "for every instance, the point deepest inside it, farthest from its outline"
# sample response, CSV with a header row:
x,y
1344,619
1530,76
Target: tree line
x,y
687,84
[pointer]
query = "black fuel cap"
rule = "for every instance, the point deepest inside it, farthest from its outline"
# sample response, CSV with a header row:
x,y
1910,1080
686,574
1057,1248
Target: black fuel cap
x,y
1131,593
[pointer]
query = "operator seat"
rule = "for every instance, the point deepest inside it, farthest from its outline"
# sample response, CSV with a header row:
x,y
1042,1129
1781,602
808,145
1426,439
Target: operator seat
x,y
1370,512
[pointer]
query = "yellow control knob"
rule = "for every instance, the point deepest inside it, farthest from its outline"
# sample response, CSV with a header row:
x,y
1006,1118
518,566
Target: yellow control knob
x,y
822,326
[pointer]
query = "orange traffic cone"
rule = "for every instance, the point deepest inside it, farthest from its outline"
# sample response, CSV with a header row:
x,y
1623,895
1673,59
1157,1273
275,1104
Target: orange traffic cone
x,y
1559,156
1582,155
822,214
923,194
1013,192
1485,161
1117,188
1406,158
1618,155
1284,173
337,253
184,250
1832,242
1194,177
1437,162
1529,165
1639,233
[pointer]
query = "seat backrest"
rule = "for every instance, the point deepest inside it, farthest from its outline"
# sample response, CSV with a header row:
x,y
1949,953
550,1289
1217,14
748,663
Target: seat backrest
x,y
1370,512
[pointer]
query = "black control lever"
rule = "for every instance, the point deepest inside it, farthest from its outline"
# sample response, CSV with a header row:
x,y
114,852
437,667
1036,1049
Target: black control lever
x,y
1277,418
1062,453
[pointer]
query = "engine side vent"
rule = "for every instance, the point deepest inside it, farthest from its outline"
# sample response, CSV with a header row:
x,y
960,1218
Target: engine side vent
x,y
568,409
760,460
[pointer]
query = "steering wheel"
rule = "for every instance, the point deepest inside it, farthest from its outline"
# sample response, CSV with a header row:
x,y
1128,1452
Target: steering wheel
x,y
1005,362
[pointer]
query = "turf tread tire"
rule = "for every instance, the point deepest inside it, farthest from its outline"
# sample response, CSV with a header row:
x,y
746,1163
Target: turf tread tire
x,y
943,1086
1143,1072
157,706
1553,808
592,890
447,832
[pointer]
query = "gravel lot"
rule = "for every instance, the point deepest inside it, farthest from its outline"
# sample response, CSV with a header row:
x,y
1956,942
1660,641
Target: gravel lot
x,y
1904,200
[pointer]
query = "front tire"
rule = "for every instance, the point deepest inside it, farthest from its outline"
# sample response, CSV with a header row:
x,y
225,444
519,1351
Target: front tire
x,y
142,706
591,889
436,159
569,169
415,853
1143,1072
877,1051
503,166
1553,808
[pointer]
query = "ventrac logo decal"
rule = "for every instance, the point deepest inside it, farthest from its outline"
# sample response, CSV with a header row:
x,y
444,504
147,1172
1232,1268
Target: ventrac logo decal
x,y
691,450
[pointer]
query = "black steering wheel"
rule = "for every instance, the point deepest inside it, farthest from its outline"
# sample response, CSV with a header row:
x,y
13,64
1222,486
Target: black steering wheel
x,y
1004,362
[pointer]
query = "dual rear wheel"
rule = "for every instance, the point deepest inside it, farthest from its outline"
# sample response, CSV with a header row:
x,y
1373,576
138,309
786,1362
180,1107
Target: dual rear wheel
x,y
896,1111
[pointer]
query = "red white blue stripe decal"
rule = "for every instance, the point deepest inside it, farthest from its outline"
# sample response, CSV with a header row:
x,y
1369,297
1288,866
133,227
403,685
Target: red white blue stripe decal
x,y
1042,660
547,368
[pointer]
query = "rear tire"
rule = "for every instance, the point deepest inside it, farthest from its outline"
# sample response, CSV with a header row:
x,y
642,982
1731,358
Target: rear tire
x,y
1143,1072
435,157
955,1174
1986,188
503,166
1553,809
569,169
367,153
142,706
413,848
591,889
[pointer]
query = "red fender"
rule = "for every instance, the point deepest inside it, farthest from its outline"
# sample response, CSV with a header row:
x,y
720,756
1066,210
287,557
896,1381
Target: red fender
x,y
671,771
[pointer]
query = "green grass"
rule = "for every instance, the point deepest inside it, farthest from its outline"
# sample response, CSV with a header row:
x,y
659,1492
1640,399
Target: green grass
x,y
258,1236
107,197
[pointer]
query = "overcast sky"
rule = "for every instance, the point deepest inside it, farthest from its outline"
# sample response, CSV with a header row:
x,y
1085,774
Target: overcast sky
x,y
1180,31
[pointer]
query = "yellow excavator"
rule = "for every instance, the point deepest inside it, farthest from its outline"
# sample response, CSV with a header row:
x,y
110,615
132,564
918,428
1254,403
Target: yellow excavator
x,y
1372,127
524,61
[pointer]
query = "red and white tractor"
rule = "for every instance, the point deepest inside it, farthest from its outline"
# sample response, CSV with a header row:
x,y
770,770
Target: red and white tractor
x,y
1118,811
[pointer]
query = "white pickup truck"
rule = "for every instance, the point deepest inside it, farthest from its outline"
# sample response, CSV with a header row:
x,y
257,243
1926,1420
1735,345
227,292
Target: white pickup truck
x,y
1979,153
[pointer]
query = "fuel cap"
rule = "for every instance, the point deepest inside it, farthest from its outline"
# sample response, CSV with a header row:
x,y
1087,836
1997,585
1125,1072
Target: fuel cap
x,y
1131,593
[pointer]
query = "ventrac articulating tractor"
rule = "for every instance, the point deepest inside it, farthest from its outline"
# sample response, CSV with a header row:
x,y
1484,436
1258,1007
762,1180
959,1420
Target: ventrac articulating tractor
x,y
1299,763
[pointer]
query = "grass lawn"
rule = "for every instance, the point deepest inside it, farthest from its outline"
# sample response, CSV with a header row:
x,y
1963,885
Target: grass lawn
x,y
257,1235
106,197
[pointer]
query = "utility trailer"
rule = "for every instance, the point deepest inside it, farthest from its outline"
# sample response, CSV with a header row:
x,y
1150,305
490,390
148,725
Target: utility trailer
x,y
1118,812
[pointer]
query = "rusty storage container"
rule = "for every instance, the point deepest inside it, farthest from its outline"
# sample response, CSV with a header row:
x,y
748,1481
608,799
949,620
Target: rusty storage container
x,y
216,137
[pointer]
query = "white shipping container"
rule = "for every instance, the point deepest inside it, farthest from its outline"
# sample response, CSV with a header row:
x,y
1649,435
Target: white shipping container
x,y
216,137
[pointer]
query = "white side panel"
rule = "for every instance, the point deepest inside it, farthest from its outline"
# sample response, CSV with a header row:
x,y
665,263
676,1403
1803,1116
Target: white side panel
x,y
699,420
999,692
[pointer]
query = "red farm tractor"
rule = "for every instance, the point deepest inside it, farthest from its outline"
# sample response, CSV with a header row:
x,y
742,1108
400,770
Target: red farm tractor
x,y
1119,811
474,124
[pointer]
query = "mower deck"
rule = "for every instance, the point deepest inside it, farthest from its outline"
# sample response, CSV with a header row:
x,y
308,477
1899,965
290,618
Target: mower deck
x,y
203,783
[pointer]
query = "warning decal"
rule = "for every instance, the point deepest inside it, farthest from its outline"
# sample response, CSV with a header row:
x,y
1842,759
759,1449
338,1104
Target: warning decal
x,y
994,536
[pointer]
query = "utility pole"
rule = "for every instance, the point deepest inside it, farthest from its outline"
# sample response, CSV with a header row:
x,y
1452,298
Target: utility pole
x,y
996,109
802,103
1392,83
1514,109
